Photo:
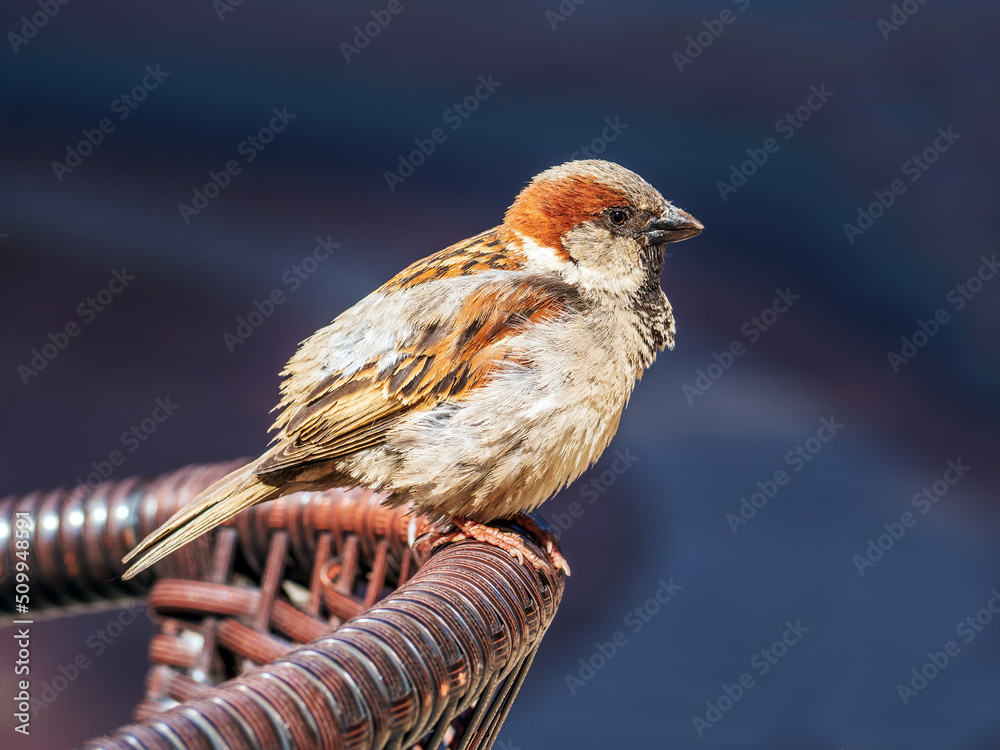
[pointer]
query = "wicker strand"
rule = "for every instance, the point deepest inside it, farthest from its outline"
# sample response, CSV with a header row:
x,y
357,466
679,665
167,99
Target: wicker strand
x,y
421,655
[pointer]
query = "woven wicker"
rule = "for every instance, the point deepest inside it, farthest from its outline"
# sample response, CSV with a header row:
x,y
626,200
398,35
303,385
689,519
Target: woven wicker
x,y
306,623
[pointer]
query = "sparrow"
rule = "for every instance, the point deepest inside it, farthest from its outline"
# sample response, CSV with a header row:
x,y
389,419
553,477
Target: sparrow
x,y
480,380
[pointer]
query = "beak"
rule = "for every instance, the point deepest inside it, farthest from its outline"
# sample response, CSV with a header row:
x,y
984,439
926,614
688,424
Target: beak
x,y
675,225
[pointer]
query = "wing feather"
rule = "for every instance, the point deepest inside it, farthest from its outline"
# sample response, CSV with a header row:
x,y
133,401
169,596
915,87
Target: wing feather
x,y
445,360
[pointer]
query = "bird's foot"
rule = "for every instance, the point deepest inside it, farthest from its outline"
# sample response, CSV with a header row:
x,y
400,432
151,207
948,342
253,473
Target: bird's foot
x,y
509,541
546,537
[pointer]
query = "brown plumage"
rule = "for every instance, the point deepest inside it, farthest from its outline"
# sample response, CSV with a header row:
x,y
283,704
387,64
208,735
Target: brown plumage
x,y
481,379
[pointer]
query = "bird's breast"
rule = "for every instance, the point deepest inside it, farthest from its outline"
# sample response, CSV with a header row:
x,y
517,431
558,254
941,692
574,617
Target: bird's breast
x,y
543,417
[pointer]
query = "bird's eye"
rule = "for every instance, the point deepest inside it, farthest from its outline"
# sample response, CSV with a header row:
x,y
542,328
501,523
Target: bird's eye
x,y
618,216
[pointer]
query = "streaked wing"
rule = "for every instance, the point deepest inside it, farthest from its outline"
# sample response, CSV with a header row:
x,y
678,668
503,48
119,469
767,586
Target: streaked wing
x,y
333,407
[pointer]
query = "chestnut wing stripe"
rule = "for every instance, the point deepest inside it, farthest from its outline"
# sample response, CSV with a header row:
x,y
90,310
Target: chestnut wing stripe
x,y
345,415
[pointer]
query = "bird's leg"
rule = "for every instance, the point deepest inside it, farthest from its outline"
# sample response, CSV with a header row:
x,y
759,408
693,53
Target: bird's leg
x,y
509,541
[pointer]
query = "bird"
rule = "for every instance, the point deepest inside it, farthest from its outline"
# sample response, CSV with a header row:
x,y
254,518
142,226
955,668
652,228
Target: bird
x,y
480,380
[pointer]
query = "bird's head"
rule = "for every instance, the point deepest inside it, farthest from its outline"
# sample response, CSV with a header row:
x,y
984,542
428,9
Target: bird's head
x,y
596,223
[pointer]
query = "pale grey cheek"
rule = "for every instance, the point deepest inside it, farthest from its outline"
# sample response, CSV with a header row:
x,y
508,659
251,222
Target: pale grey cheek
x,y
605,263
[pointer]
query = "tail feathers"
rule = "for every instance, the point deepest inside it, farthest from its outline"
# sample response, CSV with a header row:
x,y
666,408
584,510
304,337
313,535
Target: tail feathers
x,y
229,496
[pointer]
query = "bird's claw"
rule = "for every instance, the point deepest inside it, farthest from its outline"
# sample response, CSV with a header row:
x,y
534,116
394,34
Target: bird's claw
x,y
509,541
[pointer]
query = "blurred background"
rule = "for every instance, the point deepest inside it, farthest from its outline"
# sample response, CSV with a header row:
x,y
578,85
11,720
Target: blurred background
x,y
776,124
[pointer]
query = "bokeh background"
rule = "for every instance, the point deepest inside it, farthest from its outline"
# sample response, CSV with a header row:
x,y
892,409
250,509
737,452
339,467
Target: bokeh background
x,y
561,72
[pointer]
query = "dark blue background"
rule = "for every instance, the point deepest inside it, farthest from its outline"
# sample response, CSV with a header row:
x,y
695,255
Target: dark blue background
x,y
665,515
